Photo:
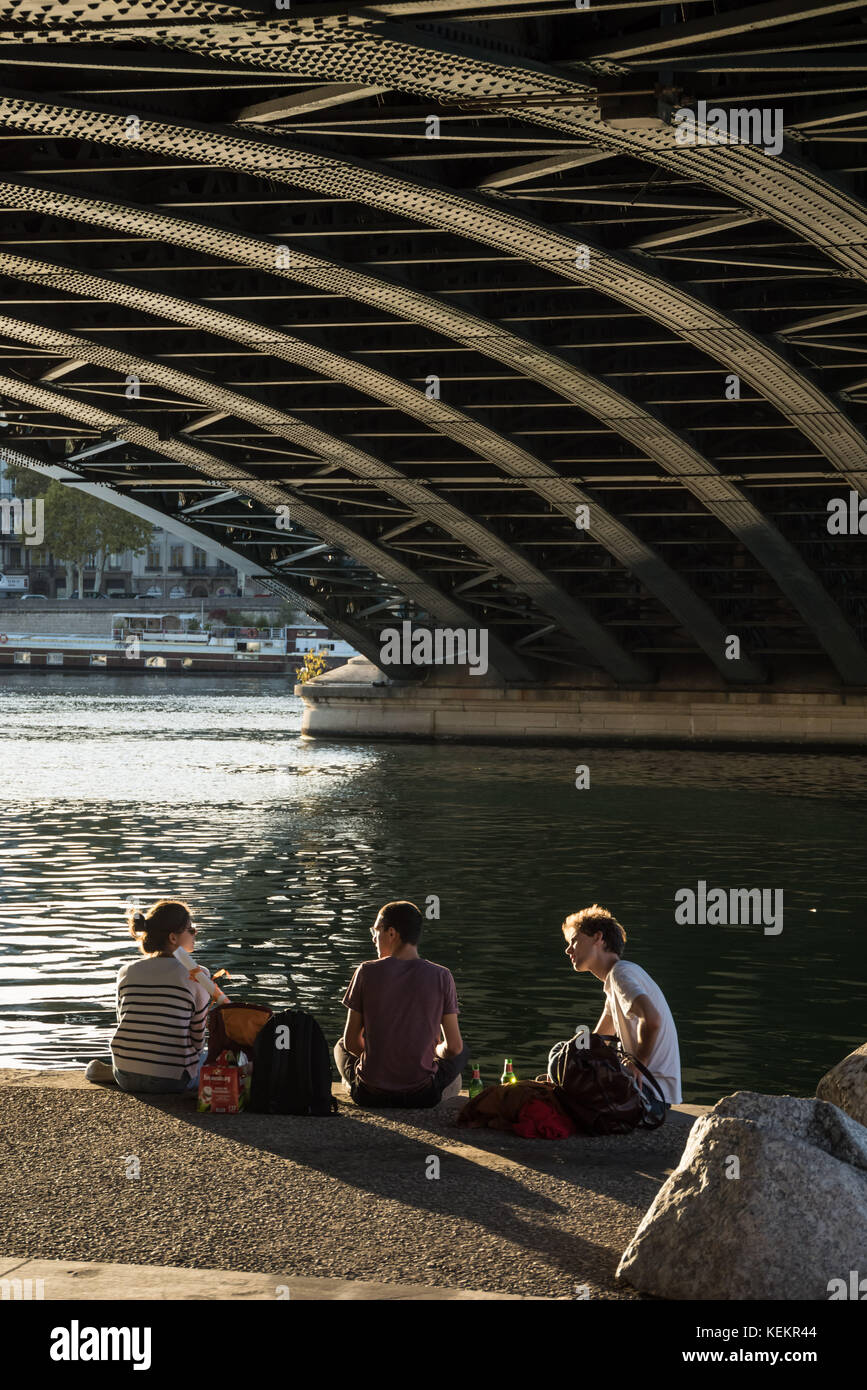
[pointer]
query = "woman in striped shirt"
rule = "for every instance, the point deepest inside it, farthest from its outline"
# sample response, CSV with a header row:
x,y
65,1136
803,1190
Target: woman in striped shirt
x,y
161,1012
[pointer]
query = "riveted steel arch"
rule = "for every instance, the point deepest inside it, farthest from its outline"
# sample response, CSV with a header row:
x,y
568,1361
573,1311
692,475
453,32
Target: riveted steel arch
x,y
206,465
406,58
356,637
429,63
818,418
570,614
67,474
692,319
683,602
485,336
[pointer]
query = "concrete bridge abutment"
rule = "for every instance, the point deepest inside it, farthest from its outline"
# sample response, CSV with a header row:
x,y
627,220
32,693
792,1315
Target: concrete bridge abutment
x,y
357,701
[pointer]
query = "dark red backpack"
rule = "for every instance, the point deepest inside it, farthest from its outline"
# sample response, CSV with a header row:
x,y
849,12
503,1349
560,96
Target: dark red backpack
x,y
594,1087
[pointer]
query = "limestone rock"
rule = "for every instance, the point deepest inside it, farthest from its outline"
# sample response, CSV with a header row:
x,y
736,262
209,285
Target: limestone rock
x,y
794,1219
846,1085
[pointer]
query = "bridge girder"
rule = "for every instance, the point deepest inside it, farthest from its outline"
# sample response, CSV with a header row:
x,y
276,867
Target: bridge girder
x,y
441,608
818,418
626,547
550,598
443,61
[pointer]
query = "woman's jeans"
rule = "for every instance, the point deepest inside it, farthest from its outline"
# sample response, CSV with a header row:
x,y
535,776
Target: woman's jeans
x,y
157,1085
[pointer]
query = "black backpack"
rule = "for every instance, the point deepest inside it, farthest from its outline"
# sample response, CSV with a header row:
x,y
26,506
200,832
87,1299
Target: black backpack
x,y
292,1068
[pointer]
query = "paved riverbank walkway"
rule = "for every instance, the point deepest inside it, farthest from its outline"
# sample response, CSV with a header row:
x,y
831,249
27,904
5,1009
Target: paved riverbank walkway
x,y
342,1205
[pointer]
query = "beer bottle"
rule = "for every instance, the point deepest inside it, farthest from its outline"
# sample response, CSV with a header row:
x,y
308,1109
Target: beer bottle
x,y
508,1078
476,1083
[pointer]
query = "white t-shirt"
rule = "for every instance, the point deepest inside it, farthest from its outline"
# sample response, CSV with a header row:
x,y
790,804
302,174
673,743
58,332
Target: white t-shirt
x,y
622,985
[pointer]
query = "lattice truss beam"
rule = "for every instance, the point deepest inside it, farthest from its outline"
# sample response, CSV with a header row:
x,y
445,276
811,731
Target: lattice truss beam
x,y
442,280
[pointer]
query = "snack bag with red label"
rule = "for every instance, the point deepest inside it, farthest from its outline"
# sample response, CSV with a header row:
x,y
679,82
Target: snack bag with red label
x,y
224,1085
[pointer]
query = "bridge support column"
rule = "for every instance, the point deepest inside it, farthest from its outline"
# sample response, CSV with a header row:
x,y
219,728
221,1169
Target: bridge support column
x,y
357,701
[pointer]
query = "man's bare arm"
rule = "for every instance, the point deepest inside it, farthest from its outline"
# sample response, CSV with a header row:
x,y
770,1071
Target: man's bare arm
x,y
649,1024
353,1033
452,1046
605,1024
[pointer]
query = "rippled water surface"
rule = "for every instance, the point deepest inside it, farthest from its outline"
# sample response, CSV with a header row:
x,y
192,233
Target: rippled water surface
x,y
114,788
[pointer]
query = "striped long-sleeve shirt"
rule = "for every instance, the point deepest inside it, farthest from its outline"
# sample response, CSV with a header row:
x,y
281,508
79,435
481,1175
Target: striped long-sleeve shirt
x,y
161,1018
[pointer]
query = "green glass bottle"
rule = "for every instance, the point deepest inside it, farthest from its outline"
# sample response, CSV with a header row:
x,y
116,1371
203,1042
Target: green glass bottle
x,y
476,1084
508,1078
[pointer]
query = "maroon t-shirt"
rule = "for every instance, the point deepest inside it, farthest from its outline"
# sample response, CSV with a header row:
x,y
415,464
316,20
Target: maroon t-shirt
x,y
402,1003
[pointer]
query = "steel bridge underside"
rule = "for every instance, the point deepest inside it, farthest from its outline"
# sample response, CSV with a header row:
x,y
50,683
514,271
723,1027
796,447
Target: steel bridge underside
x,y
380,302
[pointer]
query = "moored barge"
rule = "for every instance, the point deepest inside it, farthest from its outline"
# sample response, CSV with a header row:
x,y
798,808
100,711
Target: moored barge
x,y
172,643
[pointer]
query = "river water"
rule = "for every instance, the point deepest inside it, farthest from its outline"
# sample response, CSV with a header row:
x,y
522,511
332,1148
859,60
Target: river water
x,y
115,788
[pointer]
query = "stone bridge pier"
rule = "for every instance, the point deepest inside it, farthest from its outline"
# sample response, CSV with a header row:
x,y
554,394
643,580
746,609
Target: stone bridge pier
x,y
357,701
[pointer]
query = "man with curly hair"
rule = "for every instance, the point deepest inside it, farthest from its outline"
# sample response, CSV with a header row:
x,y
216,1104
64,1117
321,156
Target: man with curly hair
x,y
635,1007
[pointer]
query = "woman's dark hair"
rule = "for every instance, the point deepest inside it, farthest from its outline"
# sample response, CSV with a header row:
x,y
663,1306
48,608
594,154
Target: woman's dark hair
x,y
405,918
152,929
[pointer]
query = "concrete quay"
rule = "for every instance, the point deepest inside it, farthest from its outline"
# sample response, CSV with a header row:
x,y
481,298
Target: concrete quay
x,y
95,1281
357,701
240,1206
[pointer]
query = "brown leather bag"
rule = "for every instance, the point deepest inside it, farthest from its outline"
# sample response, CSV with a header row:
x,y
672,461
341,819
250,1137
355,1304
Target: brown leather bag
x,y
499,1107
597,1091
231,1026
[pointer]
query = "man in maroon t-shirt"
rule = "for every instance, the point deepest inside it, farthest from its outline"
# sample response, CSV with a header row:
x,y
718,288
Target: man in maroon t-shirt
x,y
402,1045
